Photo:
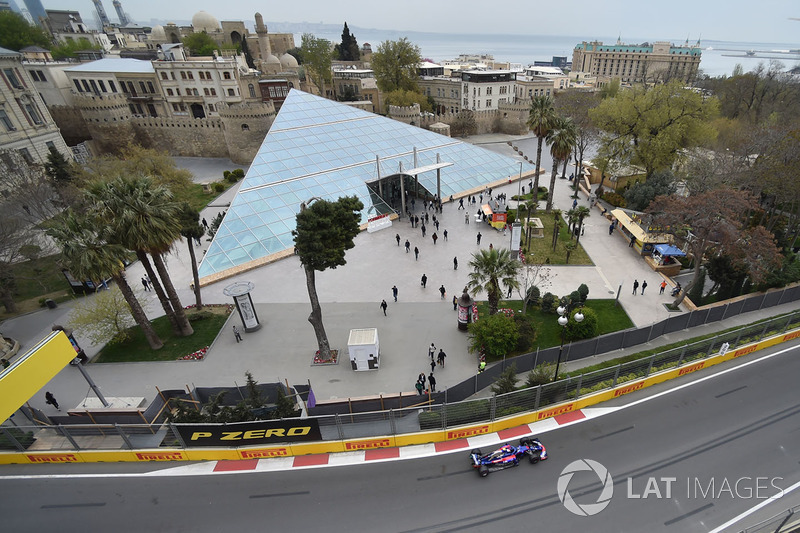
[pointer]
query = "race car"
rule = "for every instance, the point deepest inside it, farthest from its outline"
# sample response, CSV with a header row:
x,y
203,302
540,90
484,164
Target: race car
x,y
507,456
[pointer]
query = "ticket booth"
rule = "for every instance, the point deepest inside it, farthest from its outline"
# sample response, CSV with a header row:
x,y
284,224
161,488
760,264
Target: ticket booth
x,y
364,349
495,217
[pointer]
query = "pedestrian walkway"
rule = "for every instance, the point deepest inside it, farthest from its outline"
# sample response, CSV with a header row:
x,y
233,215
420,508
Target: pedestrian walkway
x,y
351,295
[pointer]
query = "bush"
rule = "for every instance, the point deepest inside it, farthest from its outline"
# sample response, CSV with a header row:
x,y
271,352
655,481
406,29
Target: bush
x,y
534,296
617,200
219,187
239,173
226,174
585,329
507,382
527,332
200,315
549,302
540,375
583,290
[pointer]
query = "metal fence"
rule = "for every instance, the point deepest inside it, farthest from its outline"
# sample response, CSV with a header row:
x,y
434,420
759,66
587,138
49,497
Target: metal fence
x,y
788,520
423,417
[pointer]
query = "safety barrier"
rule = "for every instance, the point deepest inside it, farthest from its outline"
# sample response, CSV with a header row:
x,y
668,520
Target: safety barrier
x,y
384,429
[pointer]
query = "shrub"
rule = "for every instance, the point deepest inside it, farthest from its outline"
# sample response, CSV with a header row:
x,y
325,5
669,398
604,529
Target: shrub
x,y
226,174
239,173
540,375
527,331
534,296
617,200
219,187
585,329
507,382
549,302
200,315
583,290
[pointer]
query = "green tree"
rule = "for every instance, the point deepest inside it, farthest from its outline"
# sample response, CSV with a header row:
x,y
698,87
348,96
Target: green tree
x,y
405,98
104,316
576,105
562,139
647,126
507,382
200,44
492,270
191,229
69,49
16,33
58,167
395,65
542,117
348,49
585,329
248,57
495,335
145,218
89,255
661,183
325,231
316,54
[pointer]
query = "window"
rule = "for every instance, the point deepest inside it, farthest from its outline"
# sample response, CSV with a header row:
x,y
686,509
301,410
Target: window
x,y
488,91
245,127
211,107
50,145
150,87
26,155
194,91
38,75
95,90
6,120
142,87
206,91
152,110
226,75
191,76
213,92
132,108
170,93
252,90
78,86
11,76
488,103
164,75
102,86
113,87
86,87
172,75
231,92
202,75
183,75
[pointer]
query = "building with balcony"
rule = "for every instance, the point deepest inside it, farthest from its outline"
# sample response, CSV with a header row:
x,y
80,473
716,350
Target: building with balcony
x,y
638,63
482,90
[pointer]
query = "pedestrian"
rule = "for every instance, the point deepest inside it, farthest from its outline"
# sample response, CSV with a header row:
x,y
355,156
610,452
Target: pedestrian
x,y
197,241
421,379
416,254
442,291
611,229
455,303
435,238
466,218
394,292
436,223
419,387
397,238
644,286
237,335
431,351
479,238
574,203
423,230
416,221
635,286
205,224
481,199
633,241
663,286
432,382
146,285
424,281
433,366
408,246
384,305
51,400
427,218
460,204
491,247
440,357
444,234
509,293
455,263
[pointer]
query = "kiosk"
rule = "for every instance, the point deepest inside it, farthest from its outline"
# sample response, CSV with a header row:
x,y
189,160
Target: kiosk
x,y
364,349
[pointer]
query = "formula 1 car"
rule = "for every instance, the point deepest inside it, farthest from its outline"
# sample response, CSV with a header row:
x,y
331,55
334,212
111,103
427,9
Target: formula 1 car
x,y
507,456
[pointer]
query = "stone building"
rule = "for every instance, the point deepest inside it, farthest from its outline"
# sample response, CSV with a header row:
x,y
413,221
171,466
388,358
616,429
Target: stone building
x,y
486,89
25,122
357,83
638,63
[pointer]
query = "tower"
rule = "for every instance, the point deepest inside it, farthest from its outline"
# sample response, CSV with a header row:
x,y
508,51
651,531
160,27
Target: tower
x,y
101,12
263,37
36,9
123,17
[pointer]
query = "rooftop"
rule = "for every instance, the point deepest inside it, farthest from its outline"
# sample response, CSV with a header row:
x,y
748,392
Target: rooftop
x,y
114,64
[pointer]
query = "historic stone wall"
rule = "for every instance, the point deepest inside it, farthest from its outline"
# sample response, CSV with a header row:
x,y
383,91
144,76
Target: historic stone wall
x,y
244,129
509,118
70,121
187,137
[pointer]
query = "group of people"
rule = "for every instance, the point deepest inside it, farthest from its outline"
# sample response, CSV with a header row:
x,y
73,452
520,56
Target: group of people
x,y
435,359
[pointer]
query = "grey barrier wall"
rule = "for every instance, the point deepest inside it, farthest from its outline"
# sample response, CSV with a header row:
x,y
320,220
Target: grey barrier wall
x,y
441,416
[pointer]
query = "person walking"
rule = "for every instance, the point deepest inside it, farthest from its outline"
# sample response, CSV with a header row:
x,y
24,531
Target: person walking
x,y
384,305
408,246
442,291
440,357
421,379
433,366
435,238
145,284
397,238
205,223
424,281
611,229
455,263
466,218
419,387
431,351
509,292
663,286
635,286
416,254
574,203
455,303
394,292
478,237
460,204
633,241
432,382
423,230
491,247
644,286
51,400
436,223
237,335
444,234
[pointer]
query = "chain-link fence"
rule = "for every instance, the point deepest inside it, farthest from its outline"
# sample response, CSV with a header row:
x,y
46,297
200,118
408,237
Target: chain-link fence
x,y
422,417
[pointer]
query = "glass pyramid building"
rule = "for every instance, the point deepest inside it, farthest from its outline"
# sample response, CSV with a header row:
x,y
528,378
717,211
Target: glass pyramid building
x,y
320,148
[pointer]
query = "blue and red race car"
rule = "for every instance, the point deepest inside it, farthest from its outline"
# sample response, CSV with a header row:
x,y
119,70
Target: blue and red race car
x,y
507,456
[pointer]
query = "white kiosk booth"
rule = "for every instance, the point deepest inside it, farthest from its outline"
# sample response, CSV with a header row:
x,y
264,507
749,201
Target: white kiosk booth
x,y
364,349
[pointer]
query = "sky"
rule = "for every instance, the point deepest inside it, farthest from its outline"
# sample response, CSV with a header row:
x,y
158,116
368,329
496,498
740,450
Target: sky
x,y
731,20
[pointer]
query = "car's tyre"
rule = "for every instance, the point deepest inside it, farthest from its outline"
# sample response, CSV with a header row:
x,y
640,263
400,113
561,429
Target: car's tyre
x,y
476,451
533,459
483,471
525,441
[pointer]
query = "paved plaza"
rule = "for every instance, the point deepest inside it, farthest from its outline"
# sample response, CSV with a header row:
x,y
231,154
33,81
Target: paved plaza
x,y
283,348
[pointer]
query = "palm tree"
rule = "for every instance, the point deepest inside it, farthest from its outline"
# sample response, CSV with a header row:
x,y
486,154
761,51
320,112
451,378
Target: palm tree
x,y
90,256
192,229
144,218
490,270
562,140
541,119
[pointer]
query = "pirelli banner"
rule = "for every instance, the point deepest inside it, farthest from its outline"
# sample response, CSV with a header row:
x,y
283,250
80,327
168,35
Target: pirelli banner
x,y
250,433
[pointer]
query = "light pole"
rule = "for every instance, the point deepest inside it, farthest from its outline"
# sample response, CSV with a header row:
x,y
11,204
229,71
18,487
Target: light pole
x,y
563,320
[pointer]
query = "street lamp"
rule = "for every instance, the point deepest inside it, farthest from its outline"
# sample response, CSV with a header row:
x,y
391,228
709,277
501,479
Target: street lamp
x,y
563,320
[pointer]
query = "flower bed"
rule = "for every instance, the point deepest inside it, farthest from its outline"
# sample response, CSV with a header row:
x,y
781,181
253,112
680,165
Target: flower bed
x,y
195,356
334,359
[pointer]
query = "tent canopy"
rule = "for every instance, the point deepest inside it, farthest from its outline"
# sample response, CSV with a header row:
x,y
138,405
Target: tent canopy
x,y
667,250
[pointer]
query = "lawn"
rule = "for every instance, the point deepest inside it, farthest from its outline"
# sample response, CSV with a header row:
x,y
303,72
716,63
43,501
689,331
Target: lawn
x,y
206,323
610,318
542,247
198,198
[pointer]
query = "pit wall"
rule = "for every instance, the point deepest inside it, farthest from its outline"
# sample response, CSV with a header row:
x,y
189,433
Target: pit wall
x,y
217,454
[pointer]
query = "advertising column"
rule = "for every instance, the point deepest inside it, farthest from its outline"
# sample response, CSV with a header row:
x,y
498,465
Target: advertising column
x,y
240,292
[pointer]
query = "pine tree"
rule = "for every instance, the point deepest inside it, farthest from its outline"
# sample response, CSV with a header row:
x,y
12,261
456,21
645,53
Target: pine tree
x,y
348,49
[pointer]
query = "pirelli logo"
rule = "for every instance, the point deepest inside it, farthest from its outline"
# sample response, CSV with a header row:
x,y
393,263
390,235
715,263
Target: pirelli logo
x,y
629,388
790,336
53,458
264,454
555,412
464,433
367,444
692,368
160,456
745,351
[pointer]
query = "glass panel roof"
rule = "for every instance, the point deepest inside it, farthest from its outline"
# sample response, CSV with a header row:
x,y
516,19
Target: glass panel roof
x,y
318,147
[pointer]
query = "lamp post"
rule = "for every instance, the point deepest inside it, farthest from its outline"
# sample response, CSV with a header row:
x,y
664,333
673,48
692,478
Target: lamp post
x,y
563,320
